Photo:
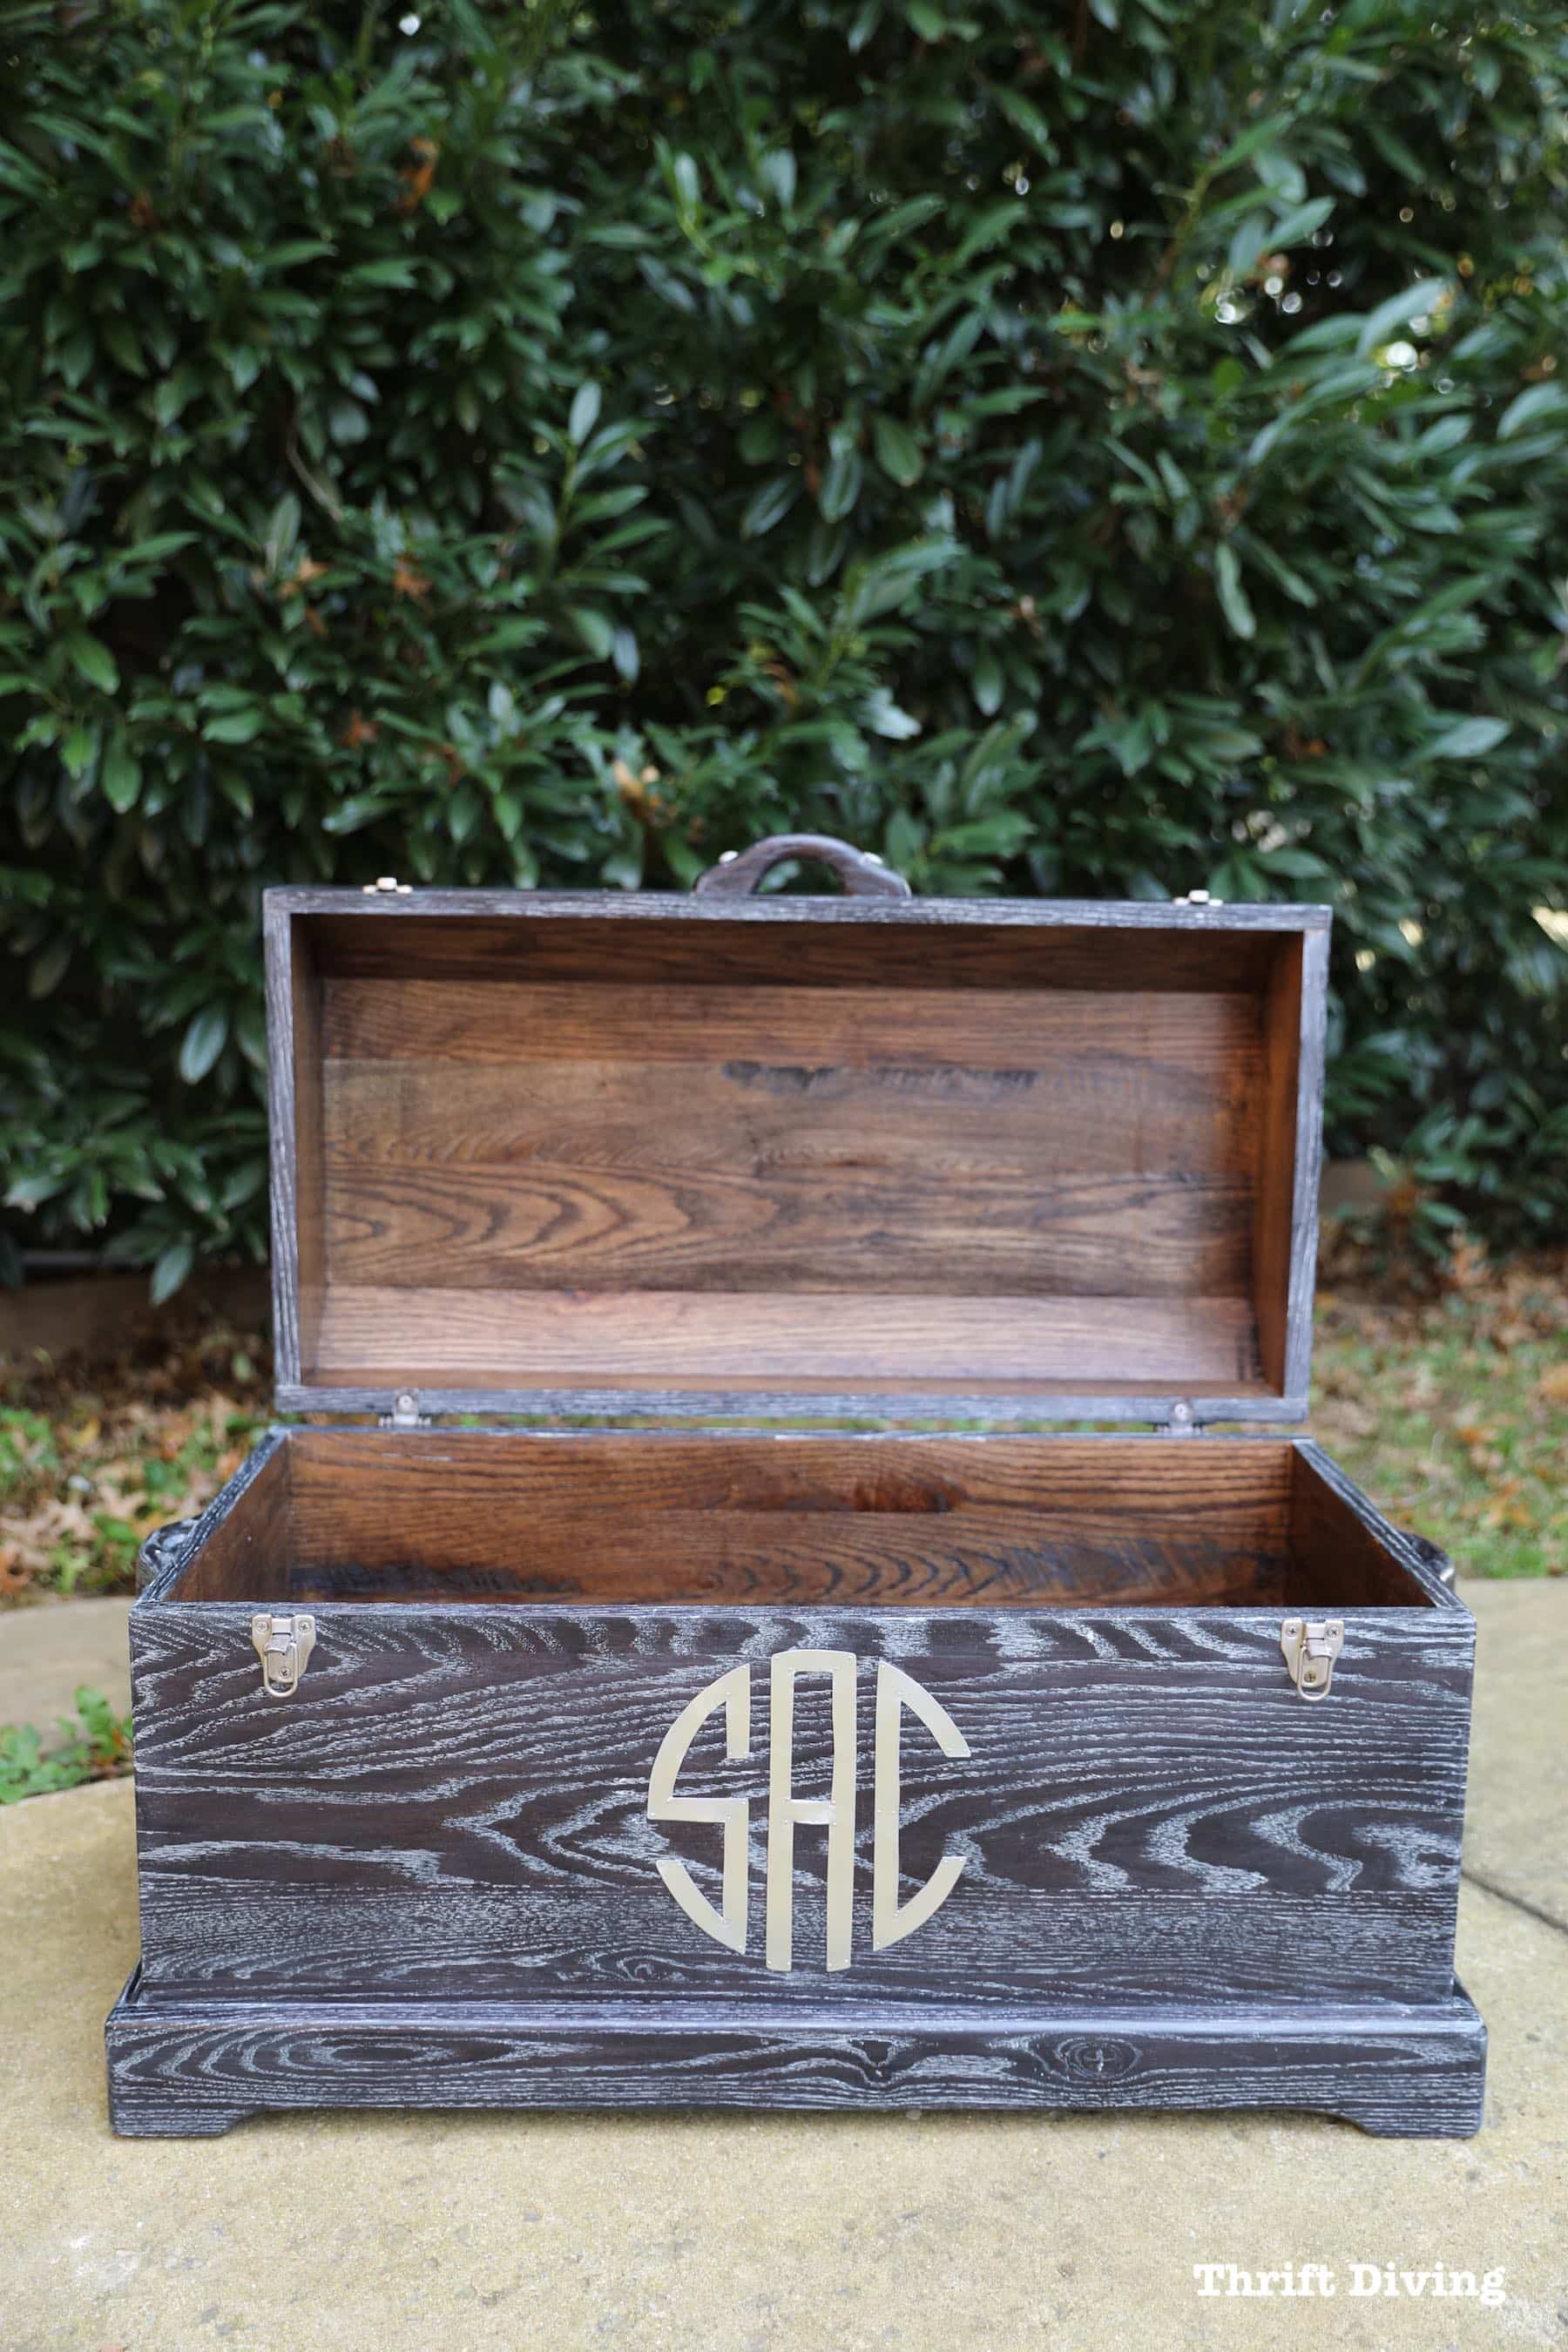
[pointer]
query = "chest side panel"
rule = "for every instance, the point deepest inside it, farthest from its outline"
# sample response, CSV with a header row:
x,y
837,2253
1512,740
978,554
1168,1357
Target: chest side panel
x,y
1072,1805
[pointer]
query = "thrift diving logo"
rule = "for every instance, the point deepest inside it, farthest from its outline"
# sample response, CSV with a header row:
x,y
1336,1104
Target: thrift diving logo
x,y
1309,2280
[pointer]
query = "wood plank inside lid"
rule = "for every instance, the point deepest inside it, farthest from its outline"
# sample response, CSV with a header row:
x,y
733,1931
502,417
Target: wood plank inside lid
x,y
793,1156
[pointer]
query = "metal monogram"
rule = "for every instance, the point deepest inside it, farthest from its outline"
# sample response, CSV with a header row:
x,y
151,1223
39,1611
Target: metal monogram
x,y
891,1919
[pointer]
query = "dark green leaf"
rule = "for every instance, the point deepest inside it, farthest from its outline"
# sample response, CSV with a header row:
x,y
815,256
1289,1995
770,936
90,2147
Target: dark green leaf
x,y
203,1041
92,659
1232,595
897,452
170,1270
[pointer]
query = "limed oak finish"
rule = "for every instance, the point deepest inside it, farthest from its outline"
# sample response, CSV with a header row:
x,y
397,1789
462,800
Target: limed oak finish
x,y
655,1765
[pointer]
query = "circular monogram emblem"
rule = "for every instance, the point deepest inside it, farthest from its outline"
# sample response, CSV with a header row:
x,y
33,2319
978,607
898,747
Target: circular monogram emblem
x,y
898,1695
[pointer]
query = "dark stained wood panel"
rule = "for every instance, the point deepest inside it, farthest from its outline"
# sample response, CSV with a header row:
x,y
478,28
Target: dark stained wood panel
x,y
930,1523
1082,1114
870,1174
648,941
295,1081
1289,1148
243,1552
1342,1553
1089,1046
578,1152
557,1225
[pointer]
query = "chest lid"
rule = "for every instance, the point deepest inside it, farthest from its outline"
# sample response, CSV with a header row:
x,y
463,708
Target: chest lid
x,y
789,1158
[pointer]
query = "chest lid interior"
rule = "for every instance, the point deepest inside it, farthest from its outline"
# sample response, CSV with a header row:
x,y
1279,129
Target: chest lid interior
x,y
786,1157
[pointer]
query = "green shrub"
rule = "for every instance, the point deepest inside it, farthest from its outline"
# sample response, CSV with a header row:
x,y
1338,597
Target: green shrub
x,y
1093,450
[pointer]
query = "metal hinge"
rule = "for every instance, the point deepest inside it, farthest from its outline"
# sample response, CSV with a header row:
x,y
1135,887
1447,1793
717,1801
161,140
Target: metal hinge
x,y
1183,1422
1311,1646
283,1645
405,1413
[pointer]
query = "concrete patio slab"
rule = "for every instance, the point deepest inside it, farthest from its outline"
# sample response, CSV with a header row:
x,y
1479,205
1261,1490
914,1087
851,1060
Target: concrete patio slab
x,y
1516,1822
47,1650
463,2233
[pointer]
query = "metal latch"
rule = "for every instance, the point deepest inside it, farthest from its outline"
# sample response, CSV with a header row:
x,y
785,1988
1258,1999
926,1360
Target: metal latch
x,y
405,1413
282,1644
1311,1647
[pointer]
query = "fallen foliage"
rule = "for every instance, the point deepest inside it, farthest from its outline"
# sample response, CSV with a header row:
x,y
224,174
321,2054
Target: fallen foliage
x,y
1449,1403
92,1460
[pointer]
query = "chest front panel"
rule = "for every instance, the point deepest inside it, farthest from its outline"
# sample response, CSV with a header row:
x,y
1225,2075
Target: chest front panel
x,y
1134,1805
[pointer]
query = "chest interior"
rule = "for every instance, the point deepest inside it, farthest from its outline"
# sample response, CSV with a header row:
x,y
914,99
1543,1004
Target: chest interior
x,y
925,1523
752,1164
802,1160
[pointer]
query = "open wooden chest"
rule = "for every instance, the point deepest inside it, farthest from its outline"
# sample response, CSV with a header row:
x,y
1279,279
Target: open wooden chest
x,y
779,1765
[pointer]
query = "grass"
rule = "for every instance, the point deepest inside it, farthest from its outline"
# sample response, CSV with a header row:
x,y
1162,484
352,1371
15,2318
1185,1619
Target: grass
x,y
1452,1413
95,1745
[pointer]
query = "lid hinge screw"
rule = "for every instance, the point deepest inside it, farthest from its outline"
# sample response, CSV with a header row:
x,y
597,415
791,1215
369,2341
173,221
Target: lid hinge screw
x,y
1183,1422
405,1413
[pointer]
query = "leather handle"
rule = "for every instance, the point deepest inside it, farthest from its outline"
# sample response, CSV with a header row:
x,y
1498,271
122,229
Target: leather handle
x,y
862,873
1431,1556
163,1550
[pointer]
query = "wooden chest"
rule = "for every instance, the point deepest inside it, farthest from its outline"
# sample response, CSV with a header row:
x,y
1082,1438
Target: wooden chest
x,y
766,1764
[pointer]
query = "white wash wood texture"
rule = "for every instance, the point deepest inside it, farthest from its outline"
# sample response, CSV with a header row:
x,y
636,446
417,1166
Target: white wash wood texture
x,y
1401,2070
457,1796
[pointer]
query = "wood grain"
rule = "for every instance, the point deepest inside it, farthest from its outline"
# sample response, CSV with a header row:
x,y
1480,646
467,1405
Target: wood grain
x,y
1274,1161
897,1518
924,1522
559,1225
1291,1166
713,1340
245,1552
875,1175
240,1545
950,1041
797,1117
647,939
295,1084
667,1137
1344,1552
179,2068
1148,1810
